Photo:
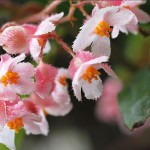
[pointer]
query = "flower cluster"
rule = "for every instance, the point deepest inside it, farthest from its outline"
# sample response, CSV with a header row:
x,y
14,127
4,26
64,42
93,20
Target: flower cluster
x,y
28,93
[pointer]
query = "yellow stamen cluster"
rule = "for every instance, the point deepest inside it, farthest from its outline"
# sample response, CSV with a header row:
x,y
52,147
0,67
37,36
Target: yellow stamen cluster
x,y
16,124
103,29
90,73
62,80
10,78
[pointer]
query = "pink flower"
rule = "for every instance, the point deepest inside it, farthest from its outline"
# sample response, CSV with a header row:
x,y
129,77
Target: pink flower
x,y
84,71
44,27
96,30
105,3
45,77
57,102
14,39
20,39
16,77
19,114
133,6
107,107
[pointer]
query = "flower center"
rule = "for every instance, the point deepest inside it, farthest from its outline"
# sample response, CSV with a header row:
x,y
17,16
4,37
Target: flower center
x,y
127,7
10,77
90,73
16,124
62,80
40,41
103,29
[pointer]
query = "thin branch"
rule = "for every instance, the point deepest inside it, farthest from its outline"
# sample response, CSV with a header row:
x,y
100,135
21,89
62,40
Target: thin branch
x,y
41,15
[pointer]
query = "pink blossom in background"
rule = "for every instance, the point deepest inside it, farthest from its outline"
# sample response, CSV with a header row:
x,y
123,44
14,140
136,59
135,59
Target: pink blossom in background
x,y
84,72
107,108
96,30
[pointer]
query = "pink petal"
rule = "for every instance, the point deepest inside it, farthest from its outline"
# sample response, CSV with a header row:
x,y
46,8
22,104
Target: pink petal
x,y
142,16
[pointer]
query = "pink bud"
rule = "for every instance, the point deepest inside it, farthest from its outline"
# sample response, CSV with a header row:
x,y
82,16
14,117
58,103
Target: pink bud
x,y
14,39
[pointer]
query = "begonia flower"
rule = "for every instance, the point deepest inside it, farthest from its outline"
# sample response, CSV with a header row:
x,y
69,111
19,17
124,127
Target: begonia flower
x,y
45,27
57,102
20,38
96,30
45,77
84,70
133,6
18,115
16,77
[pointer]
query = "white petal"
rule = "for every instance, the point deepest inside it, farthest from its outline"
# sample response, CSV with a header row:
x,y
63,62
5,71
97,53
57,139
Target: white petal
x,y
47,47
55,17
7,137
101,46
92,90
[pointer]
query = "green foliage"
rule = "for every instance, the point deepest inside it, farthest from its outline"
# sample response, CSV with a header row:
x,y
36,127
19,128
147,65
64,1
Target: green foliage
x,y
134,100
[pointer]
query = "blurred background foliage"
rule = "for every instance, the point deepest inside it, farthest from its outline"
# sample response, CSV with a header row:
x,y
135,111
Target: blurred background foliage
x,y
81,130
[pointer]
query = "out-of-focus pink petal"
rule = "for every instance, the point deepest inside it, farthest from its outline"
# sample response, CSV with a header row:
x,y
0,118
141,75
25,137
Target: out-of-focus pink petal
x,y
142,16
120,18
107,106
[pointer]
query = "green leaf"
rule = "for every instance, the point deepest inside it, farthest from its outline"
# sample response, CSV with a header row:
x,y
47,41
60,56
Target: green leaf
x,y
134,100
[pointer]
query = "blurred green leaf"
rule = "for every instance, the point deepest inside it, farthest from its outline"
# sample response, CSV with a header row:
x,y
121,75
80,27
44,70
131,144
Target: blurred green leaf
x,y
134,100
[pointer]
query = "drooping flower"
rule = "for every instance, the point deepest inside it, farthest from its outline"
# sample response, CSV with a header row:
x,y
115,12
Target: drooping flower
x,y
45,79
133,6
84,70
18,115
16,77
55,100
21,38
45,27
97,29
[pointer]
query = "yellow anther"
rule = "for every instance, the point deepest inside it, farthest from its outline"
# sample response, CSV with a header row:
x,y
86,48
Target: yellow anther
x,y
90,73
103,29
10,78
15,124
